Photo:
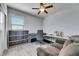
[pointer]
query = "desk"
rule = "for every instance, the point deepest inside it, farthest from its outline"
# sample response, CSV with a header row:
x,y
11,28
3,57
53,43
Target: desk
x,y
54,38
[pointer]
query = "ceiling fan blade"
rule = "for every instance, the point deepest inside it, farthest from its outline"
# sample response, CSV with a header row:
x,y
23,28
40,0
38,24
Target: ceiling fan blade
x,y
45,11
35,8
49,6
39,12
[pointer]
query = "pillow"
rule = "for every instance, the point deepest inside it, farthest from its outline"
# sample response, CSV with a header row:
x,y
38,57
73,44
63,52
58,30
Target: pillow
x,y
75,38
57,45
67,42
52,51
48,51
70,50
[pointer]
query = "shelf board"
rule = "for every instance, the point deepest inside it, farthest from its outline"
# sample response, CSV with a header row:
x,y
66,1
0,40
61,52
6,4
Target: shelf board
x,y
17,35
17,40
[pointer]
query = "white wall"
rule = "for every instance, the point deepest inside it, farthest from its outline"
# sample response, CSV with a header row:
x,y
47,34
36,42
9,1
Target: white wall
x,y
32,23
64,20
2,35
3,38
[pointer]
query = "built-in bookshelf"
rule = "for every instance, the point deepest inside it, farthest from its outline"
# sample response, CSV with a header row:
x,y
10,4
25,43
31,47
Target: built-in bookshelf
x,y
17,37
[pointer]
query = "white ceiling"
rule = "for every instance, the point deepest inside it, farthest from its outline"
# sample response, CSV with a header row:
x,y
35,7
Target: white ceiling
x,y
27,7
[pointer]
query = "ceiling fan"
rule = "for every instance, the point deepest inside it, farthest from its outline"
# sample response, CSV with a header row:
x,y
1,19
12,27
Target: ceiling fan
x,y
43,8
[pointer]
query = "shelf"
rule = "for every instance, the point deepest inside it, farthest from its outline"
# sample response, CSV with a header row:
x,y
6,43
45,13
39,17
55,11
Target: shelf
x,y
17,35
17,40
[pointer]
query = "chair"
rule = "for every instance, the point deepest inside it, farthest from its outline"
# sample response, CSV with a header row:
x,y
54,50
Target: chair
x,y
39,36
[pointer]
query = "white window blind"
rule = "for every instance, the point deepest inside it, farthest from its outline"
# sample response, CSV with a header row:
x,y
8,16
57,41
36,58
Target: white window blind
x,y
17,22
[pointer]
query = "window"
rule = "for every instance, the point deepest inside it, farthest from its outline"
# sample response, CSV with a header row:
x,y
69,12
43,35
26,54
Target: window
x,y
17,22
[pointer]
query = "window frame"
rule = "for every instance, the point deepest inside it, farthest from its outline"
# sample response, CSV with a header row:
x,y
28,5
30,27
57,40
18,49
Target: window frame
x,y
17,24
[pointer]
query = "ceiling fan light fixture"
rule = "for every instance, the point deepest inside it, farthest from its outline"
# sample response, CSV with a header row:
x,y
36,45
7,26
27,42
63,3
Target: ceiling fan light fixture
x,y
42,9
